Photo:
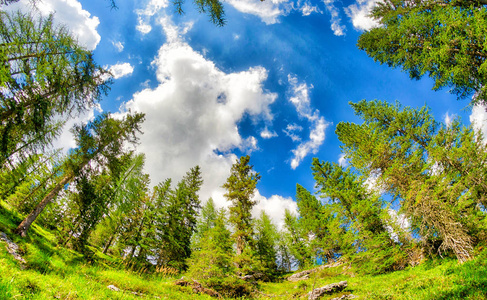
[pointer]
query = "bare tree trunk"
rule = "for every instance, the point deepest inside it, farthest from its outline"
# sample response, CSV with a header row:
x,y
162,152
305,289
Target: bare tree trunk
x,y
109,243
27,222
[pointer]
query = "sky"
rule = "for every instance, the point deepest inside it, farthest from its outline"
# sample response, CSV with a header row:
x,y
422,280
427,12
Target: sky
x,y
273,83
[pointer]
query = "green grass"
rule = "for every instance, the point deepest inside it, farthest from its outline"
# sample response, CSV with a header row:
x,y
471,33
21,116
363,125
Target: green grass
x,y
53,272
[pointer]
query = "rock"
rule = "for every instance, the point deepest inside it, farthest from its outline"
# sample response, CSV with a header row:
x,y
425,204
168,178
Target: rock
x,y
327,289
182,282
113,288
303,275
12,248
345,297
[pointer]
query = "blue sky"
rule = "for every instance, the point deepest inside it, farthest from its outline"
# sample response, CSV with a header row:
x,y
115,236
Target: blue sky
x,y
273,82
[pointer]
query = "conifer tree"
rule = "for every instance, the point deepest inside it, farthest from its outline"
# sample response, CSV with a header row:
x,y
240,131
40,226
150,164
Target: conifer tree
x,y
240,186
443,39
436,171
45,77
266,238
98,141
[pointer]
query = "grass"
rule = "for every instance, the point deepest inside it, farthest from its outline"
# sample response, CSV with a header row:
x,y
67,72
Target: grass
x,y
53,272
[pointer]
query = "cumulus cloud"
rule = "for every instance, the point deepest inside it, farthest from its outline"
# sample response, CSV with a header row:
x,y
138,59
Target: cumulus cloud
x,y
69,13
478,119
359,14
275,207
121,69
301,100
192,115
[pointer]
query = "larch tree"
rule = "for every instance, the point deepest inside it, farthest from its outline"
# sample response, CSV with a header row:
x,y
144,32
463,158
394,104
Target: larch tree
x,y
240,186
435,171
444,39
98,142
45,77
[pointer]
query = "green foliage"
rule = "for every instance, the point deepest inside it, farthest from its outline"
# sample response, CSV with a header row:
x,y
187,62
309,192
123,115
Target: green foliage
x,y
266,238
211,261
443,39
240,186
45,77
435,171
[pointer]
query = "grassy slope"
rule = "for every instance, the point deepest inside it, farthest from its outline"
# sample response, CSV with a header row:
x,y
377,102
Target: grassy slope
x,y
58,273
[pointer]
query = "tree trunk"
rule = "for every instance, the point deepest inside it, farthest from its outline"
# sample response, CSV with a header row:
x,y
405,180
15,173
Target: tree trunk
x,y
27,222
109,243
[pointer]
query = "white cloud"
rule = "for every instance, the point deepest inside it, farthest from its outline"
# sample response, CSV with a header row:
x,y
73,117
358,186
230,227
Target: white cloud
x,y
267,134
118,45
292,131
342,160
144,15
448,119
121,70
307,9
478,118
66,140
269,11
301,100
359,13
192,115
69,13
337,28
274,207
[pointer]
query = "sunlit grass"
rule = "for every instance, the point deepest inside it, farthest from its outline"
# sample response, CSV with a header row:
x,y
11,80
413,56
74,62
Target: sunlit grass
x,y
53,272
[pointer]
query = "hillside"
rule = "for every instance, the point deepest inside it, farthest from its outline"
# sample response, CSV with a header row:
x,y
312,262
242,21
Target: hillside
x,y
53,272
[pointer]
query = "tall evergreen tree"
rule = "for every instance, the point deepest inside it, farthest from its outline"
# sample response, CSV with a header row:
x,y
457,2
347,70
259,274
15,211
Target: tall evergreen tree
x,y
99,141
240,186
443,39
45,76
434,170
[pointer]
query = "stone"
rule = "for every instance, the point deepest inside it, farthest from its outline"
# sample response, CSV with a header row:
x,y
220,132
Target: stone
x,y
113,288
327,289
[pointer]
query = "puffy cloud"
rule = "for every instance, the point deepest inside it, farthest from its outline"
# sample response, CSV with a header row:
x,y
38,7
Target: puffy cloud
x,y
192,115
359,13
69,13
275,207
121,70
478,118
301,100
